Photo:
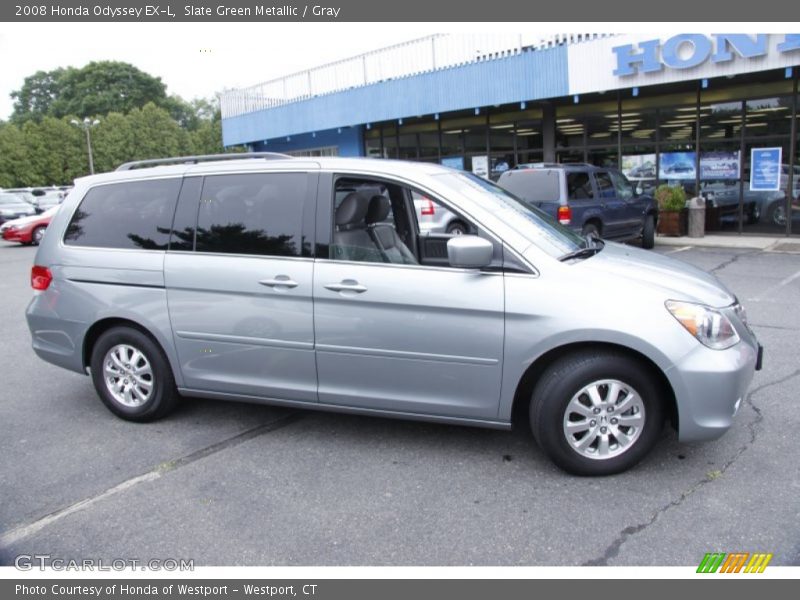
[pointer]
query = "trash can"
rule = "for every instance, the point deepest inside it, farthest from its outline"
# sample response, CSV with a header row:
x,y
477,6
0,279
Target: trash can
x,y
697,217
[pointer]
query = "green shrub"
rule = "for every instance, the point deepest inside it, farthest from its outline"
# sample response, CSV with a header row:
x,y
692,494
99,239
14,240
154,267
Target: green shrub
x,y
670,197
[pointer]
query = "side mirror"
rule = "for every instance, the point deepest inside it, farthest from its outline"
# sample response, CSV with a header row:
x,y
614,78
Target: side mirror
x,y
639,190
469,252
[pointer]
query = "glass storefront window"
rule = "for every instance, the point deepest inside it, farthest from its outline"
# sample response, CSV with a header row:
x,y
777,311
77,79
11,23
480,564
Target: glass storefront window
x,y
601,130
722,121
429,145
720,185
769,116
677,124
638,125
372,143
529,141
408,146
389,142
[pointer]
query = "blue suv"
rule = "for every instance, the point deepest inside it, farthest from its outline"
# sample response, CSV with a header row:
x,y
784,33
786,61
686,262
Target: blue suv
x,y
591,200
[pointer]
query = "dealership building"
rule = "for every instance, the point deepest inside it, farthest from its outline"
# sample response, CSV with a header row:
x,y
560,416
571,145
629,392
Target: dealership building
x,y
713,113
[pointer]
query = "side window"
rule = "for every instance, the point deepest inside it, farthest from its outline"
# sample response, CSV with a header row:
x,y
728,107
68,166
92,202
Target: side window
x,y
623,186
579,186
605,187
252,214
370,223
433,217
132,215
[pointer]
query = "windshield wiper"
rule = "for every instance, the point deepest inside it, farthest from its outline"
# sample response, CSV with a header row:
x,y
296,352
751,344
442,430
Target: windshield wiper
x,y
584,252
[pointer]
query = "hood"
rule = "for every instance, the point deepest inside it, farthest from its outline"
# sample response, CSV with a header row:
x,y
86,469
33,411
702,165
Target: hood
x,y
678,280
22,221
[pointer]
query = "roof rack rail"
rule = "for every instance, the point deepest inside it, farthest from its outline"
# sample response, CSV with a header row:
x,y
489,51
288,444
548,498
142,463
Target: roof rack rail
x,y
177,160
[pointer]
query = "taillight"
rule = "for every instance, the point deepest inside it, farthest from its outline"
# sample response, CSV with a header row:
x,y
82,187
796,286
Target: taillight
x,y
40,278
427,207
564,215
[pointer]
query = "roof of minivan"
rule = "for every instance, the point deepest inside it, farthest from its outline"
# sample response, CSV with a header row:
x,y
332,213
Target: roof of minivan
x,y
378,166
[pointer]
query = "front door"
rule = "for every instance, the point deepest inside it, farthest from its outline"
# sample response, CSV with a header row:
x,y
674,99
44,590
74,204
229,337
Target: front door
x,y
408,337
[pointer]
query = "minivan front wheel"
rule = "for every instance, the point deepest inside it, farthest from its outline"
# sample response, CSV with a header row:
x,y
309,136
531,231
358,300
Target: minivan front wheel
x,y
596,413
132,376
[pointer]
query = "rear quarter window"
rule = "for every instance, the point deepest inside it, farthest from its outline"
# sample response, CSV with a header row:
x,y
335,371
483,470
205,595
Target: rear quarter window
x,y
130,215
533,186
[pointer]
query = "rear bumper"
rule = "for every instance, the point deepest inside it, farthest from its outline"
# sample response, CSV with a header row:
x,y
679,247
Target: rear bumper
x,y
710,386
54,339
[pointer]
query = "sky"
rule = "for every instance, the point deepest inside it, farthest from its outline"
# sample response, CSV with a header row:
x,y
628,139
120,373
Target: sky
x,y
192,59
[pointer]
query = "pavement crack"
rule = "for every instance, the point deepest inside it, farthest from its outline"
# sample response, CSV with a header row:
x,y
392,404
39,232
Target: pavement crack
x,y
23,531
614,548
731,260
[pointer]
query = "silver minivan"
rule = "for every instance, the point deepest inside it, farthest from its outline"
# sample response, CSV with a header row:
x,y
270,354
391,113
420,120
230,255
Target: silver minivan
x,y
309,283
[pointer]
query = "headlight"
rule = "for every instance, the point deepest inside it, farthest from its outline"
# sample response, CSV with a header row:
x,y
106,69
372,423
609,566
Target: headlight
x,y
707,324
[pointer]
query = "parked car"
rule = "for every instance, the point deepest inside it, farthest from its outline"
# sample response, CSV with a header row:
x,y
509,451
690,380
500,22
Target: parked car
x,y
13,206
723,197
310,284
27,230
435,218
590,200
49,199
681,170
645,171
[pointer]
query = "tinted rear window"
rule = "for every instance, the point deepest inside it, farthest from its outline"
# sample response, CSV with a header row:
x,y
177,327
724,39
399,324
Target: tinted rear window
x,y
252,214
533,185
134,215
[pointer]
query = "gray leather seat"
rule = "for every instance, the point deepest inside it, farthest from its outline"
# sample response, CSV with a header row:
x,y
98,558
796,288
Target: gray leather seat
x,y
384,236
351,241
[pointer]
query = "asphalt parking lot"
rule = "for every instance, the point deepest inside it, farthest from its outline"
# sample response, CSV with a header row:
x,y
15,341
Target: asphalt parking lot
x,y
237,484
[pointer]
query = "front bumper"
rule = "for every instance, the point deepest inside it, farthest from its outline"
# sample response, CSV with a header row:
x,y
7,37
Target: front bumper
x,y
15,235
709,387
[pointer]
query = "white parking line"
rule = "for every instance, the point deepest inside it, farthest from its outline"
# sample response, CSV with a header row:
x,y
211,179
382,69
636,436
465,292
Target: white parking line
x,y
775,288
26,530
681,249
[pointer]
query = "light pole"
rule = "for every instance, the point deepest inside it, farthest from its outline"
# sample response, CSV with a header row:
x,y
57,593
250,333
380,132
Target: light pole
x,y
86,125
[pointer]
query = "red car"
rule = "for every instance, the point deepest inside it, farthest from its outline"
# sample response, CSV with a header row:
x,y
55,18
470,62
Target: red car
x,y
28,230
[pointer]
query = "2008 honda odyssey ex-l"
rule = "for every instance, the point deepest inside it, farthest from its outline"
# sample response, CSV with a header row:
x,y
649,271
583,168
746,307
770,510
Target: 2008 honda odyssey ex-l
x,y
308,283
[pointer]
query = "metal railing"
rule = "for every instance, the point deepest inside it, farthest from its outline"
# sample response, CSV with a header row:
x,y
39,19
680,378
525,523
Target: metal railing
x,y
423,55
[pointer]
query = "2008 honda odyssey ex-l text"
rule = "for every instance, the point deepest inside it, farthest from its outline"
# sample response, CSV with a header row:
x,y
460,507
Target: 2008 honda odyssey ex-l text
x,y
308,283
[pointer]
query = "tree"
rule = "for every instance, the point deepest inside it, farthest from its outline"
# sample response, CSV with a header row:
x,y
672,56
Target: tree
x,y
35,98
107,86
96,89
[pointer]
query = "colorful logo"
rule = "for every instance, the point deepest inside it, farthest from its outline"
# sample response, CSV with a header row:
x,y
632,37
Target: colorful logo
x,y
735,562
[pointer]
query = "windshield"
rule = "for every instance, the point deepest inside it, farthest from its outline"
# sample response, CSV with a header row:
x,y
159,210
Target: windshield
x,y
535,225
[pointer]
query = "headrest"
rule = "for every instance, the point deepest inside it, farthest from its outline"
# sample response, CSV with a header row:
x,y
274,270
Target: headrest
x,y
378,210
352,209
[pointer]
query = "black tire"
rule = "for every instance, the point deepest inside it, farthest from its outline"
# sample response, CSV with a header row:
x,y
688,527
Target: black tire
x,y
754,215
458,228
37,235
562,382
776,214
649,232
163,395
590,229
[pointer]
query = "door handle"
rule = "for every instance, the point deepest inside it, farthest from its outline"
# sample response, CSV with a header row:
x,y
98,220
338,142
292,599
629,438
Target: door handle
x,y
279,281
348,285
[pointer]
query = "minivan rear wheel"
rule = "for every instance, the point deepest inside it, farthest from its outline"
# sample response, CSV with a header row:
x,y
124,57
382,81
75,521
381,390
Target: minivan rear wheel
x,y
132,376
596,412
